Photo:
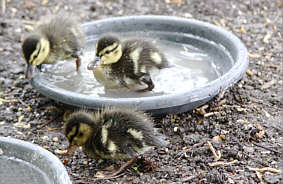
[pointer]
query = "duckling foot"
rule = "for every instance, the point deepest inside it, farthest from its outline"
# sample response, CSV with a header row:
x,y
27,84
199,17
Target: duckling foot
x,y
146,165
119,172
149,88
78,63
147,80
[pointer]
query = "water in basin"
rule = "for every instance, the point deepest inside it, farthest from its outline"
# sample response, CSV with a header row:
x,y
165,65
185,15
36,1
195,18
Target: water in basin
x,y
17,171
193,65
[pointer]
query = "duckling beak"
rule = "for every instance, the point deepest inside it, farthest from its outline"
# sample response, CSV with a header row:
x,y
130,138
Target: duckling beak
x,y
29,71
71,150
92,65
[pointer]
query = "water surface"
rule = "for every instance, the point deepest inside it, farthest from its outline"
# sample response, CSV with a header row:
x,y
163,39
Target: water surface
x,y
193,64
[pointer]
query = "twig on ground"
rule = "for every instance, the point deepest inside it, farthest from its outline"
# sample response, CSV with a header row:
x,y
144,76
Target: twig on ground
x,y
45,124
8,101
210,114
220,94
261,171
265,169
259,175
31,23
217,155
213,164
50,129
23,103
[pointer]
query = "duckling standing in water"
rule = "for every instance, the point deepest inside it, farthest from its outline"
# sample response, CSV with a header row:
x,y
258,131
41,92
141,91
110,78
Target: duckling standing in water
x,y
130,62
60,38
112,134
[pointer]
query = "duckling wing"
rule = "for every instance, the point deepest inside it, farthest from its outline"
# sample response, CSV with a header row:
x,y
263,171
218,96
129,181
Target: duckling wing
x,y
132,132
125,142
149,55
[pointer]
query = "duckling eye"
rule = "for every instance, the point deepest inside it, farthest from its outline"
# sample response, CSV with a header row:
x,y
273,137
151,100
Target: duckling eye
x,y
107,52
80,134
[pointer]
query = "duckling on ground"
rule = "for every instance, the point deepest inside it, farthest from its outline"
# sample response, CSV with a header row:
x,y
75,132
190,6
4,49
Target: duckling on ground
x,y
60,38
112,133
130,62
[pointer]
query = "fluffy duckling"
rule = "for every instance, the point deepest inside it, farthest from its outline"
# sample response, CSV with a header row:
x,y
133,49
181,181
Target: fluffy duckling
x,y
130,62
60,38
112,134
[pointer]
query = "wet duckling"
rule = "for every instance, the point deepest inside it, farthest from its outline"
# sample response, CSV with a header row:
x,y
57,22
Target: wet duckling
x,y
130,62
112,133
60,38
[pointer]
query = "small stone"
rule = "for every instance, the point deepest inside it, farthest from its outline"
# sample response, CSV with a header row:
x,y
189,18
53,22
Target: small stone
x,y
61,152
240,109
46,147
216,139
248,149
65,161
29,109
45,137
223,137
253,56
176,129
267,37
188,15
55,139
85,163
231,181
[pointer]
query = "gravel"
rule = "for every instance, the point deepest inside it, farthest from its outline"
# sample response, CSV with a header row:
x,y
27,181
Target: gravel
x,y
244,124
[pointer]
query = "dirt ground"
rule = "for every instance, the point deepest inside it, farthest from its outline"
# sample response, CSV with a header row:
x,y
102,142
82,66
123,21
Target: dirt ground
x,y
244,124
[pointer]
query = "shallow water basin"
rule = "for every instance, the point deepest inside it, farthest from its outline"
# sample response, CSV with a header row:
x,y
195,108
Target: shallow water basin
x,y
201,57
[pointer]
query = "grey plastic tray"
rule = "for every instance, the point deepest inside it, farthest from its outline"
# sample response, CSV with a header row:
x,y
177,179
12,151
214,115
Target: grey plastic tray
x,y
171,103
25,163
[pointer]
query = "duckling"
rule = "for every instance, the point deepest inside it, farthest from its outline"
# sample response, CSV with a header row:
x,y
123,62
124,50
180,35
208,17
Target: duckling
x,y
60,38
130,62
112,133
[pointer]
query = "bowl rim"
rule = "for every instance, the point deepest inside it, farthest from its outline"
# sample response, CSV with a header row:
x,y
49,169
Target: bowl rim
x,y
164,101
61,174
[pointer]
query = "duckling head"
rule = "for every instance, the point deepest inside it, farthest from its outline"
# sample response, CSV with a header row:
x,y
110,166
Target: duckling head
x,y
35,50
108,51
78,128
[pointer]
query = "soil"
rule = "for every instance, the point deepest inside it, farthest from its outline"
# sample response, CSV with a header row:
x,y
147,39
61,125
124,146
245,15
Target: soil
x,y
244,123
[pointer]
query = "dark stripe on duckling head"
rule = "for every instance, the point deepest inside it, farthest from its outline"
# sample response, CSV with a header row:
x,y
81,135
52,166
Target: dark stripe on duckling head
x,y
75,134
77,118
105,42
109,51
29,46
